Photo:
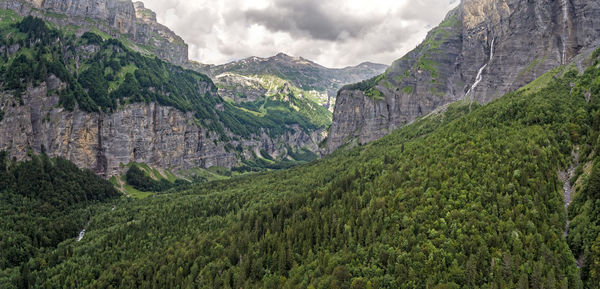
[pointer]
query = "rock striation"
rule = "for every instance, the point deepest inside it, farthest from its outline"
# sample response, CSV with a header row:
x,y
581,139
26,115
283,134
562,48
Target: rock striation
x,y
481,51
157,135
115,17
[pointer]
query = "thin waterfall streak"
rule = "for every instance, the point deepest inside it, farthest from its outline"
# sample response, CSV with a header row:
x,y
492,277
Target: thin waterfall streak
x,y
81,234
479,76
565,36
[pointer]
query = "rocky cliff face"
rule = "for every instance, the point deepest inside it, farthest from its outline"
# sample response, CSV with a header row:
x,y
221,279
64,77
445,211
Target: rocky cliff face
x,y
482,50
115,17
157,135
169,46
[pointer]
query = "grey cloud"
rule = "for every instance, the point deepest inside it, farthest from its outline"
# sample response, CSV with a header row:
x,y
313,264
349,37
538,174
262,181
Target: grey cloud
x,y
310,19
221,30
425,10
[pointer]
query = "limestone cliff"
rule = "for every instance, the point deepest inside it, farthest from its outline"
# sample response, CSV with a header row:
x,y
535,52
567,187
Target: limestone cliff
x,y
114,17
482,50
157,135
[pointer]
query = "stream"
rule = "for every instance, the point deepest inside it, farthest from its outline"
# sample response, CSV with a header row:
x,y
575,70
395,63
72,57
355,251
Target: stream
x,y
565,177
81,234
567,191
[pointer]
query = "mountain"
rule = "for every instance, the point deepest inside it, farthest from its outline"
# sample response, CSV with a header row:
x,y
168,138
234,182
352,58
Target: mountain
x,y
483,49
484,192
471,197
261,114
129,21
102,105
300,72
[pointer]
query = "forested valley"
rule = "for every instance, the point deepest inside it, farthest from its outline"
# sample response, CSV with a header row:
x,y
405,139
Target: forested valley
x,y
466,198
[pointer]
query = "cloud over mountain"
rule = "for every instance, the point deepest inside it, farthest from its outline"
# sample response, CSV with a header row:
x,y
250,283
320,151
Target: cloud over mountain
x,y
334,33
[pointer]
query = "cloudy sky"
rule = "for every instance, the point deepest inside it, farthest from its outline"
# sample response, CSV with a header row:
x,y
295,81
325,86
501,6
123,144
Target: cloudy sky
x,y
334,33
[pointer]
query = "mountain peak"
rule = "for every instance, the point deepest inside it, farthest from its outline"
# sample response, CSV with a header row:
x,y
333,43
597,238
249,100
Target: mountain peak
x,y
282,55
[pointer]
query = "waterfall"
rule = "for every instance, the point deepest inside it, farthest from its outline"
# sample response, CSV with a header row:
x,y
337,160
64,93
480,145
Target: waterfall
x,y
81,234
565,34
479,76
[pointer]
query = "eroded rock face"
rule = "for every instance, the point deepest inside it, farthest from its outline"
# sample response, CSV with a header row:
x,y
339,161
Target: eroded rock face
x,y
111,16
157,135
481,51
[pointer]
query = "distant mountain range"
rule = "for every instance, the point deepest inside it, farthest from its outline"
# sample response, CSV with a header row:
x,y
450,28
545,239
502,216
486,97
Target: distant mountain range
x,y
301,72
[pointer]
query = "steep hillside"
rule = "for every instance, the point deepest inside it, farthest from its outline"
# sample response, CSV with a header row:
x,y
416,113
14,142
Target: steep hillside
x,y
483,49
467,198
101,105
302,73
43,202
129,21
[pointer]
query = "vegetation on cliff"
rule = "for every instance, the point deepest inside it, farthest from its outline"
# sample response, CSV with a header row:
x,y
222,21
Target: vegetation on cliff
x,y
103,74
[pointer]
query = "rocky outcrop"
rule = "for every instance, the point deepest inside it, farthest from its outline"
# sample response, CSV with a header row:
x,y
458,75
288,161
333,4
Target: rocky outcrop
x,y
115,17
240,88
153,34
481,51
157,135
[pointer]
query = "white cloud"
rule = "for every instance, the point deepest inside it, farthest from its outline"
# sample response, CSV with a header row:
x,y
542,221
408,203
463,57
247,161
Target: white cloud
x,y
334,33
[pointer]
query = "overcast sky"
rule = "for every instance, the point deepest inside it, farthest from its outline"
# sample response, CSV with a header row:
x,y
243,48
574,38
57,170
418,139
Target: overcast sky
x,y
334,33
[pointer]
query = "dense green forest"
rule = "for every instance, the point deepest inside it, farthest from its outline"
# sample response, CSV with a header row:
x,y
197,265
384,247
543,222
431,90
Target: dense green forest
x,y
102,74
43,202
141,181
468,198
584,211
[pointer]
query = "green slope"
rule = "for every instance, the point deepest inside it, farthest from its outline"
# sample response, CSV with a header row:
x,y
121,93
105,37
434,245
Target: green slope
x,y
43,202
456,200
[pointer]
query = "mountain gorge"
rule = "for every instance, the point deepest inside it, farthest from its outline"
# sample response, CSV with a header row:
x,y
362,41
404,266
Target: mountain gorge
x,y
467,198
482,50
